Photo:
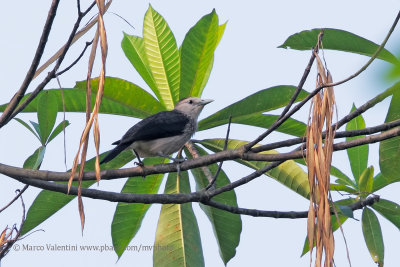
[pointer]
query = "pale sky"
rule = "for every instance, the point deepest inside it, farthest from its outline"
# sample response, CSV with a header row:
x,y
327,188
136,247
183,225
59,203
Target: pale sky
x,y
247,60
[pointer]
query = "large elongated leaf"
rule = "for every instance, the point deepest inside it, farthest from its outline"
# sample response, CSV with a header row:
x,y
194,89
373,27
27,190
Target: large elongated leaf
x,y
128,217
120,98
336,40
197,54
389,150
373,235
358,155
47,114
127,94
381,181
177,236
288,173
163,57
48,203
227,226
253,105
221,30
389,210
133,47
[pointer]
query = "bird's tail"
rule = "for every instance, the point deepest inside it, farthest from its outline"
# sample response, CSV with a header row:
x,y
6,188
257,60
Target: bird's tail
x,y
113,153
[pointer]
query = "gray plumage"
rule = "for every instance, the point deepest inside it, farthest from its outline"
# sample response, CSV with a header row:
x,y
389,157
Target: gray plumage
x,y
163,133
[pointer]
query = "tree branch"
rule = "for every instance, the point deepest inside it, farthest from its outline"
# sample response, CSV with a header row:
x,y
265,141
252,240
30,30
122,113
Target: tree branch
x,y
284,214
52,73
7,114
282,118
200,196
20,192
18,173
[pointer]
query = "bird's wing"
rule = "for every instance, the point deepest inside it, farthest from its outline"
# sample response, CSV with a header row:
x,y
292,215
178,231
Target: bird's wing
x,y
160,125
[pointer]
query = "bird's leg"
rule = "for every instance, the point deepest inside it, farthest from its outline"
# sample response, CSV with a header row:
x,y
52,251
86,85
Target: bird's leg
x,y
175,160
140,163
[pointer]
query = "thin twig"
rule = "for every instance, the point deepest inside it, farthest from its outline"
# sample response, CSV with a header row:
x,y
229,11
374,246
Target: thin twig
x,y
64,135
51,74
212,183
370,60
195,154
282,118
314,92
87,44
19,193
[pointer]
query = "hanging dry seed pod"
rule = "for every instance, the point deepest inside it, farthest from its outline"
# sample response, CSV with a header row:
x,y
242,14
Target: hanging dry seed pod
x,y
319,157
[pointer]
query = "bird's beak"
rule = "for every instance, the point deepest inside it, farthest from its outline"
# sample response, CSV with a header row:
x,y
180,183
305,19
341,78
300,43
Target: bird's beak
x,y
204,102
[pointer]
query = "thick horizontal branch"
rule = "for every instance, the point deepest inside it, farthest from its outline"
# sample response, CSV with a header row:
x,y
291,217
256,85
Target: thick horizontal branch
x,y
16,173
284,214
201,196
342,134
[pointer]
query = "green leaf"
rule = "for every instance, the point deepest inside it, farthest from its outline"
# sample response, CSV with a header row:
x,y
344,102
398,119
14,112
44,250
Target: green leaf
x,y
28,127
341,187
366,181
120,94
47,114
35,160
389,210
337,40
288,173
373,235
226,226
128,217
120,98
221,29
381,181
253,105
163,57
133,47
346,211
197,55
389,150
343,179
358,155
36,127
48,203
177,233
60,127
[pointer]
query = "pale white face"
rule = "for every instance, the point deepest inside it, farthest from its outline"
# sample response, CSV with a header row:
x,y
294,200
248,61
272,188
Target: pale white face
x,y
192,105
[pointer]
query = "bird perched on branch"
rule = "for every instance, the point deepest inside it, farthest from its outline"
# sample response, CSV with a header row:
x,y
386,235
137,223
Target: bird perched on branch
x,y
163,133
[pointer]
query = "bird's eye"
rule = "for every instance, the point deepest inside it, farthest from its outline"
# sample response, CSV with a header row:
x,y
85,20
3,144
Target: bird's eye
x,y
190,101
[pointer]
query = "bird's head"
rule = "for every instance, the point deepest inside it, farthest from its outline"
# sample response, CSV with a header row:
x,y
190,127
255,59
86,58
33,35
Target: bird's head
x,y
192,106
